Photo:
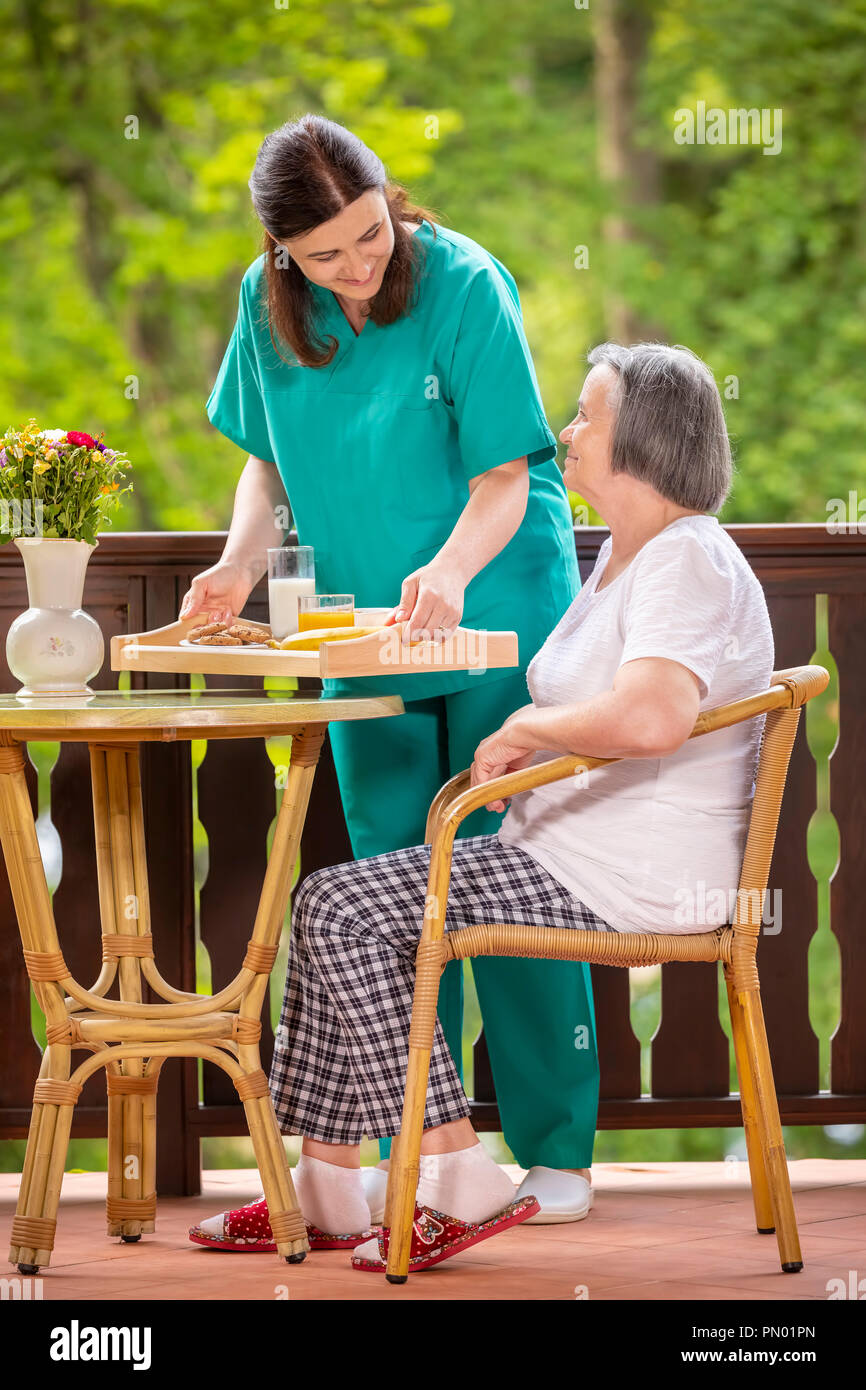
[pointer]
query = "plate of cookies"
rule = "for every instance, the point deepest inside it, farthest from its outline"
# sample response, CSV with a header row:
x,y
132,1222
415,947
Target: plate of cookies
x,y
236,634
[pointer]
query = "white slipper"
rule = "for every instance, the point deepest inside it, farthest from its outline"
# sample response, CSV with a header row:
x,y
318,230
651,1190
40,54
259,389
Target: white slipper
x,y
562,1196
375,1184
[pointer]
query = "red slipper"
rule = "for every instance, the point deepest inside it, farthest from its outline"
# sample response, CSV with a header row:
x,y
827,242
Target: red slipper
x,y
436,1237
247,1230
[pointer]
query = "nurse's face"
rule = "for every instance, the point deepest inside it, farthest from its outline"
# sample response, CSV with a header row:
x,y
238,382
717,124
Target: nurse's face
x,y
350,252
587,463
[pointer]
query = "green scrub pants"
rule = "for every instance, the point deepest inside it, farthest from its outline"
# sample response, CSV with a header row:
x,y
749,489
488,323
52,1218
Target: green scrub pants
x,y
538,1015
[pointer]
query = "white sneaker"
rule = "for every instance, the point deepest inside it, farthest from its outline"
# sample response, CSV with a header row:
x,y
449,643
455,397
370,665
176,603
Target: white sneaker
x,y
375,1184
561,1196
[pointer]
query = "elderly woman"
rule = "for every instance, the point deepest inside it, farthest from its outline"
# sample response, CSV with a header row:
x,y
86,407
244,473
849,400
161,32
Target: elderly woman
x,y
671,621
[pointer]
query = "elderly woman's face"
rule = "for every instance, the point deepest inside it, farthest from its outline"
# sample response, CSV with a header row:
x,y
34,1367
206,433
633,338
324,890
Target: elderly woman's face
x,y
587,463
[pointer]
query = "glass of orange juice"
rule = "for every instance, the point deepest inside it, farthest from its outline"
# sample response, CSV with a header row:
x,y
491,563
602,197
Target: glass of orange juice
x,y
325,610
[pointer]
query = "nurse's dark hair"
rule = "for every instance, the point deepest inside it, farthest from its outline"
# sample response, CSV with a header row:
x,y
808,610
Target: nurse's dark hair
x,y
306,173
669,429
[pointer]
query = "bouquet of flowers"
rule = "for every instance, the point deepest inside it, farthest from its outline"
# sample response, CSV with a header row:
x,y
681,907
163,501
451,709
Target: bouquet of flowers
x,y
57,484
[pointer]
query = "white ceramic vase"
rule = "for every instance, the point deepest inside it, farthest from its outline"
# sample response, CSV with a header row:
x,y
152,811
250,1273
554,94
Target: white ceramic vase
x,y
54,647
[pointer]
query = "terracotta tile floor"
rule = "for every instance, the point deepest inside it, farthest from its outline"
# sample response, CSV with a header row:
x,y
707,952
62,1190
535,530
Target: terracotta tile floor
x,y
657,1231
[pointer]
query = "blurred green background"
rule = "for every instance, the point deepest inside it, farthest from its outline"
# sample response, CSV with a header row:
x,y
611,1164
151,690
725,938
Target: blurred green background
x,y
538,129
546,132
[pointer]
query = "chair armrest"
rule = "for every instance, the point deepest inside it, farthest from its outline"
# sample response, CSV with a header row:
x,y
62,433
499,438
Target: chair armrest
x,y
456,799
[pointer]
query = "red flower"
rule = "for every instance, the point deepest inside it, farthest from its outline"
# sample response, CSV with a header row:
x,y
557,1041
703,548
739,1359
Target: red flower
x,y
82,441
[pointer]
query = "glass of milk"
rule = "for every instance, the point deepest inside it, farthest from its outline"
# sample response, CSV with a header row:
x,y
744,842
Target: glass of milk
x,y
291,572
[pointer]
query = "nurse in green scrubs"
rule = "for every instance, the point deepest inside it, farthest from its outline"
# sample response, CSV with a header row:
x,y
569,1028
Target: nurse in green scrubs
x,y
379,371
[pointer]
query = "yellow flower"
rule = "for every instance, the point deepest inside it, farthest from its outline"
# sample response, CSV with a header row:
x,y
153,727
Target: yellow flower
x,y
41,467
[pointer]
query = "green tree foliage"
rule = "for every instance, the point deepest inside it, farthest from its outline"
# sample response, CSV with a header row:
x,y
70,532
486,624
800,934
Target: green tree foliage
x,y
128,130
763,257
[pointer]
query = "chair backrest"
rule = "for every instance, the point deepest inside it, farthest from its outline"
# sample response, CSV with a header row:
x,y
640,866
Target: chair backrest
x,y
777,742
780,730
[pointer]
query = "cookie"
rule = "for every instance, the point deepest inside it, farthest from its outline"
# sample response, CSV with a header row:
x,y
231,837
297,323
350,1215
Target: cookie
x,y
219,639
248,633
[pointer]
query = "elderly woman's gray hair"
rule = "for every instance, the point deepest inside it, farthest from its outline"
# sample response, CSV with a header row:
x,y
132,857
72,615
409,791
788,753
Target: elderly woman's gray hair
x,y
669,429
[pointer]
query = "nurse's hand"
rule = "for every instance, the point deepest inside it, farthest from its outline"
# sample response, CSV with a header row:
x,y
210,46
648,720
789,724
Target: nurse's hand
x,y
431,598
503,751
221,592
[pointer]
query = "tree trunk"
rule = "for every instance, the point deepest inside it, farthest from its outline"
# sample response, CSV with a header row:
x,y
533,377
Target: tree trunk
x,y
629,174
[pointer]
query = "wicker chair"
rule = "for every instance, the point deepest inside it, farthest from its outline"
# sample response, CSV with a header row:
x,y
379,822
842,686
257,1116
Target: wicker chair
x,y
735,945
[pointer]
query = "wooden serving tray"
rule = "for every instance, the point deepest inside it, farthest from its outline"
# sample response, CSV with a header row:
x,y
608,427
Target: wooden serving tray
x,y
377,654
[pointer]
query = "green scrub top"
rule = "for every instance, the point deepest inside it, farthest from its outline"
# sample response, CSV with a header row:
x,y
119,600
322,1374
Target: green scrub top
x,y
376,449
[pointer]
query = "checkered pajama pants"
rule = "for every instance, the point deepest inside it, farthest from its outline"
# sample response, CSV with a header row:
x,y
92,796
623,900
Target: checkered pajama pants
x,y
342,1046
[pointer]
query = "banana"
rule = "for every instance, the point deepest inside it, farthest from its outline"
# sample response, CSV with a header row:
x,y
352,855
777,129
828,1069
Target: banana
x,y
312,640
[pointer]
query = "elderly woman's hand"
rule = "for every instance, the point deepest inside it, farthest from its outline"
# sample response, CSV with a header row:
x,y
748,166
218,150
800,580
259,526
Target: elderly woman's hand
x,y
507,750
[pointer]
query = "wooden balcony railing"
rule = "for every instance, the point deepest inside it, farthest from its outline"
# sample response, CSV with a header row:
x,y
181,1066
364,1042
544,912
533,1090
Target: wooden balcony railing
x,y
135,582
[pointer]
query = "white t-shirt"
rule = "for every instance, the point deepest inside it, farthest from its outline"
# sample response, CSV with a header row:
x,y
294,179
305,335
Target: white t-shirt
x,y
654,844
